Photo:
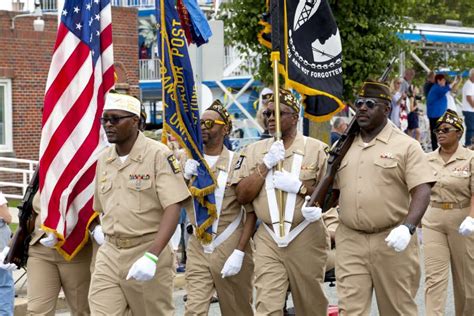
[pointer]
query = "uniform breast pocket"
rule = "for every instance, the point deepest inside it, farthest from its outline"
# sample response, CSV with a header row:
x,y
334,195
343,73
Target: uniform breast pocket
x,y
386,171
105,188
460,178
309,174
142,196
139,185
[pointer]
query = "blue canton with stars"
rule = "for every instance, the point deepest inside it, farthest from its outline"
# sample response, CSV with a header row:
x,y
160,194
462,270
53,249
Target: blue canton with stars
x,y
82,17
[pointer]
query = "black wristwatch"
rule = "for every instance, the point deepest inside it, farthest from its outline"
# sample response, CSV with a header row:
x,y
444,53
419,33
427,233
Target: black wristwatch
x,y
411,228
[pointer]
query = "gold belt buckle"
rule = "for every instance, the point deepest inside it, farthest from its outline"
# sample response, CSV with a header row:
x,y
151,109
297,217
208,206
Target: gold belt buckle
x,y
447,205
123,242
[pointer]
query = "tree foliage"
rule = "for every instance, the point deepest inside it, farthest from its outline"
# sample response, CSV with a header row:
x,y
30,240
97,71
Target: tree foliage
x,y
368,32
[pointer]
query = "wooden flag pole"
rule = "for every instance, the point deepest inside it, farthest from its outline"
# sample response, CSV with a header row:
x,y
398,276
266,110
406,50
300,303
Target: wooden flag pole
x,y
275,56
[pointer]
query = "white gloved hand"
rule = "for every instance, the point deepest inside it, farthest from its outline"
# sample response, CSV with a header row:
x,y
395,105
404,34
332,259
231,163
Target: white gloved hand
x,y
467,226
6,266
233,264
49,241
285,181
310,213
274,155
98,235
144,268
399,238
190,168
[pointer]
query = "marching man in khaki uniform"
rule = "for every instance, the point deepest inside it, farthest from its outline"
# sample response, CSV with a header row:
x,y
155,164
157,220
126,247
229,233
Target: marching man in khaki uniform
x,y
139,192
448,225
226,264
48,272
296,260
376,248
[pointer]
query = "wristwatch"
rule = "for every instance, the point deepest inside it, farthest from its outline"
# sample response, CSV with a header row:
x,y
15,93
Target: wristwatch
x,y
303,190
411,228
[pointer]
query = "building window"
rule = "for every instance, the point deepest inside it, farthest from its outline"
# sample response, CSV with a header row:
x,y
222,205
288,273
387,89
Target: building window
x,y
6,115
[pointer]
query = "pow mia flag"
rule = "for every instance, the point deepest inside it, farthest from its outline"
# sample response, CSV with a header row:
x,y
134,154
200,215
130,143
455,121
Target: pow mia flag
x,y
306,34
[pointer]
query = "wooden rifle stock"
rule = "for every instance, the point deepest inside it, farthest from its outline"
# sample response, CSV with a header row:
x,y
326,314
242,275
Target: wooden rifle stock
x,y
19,245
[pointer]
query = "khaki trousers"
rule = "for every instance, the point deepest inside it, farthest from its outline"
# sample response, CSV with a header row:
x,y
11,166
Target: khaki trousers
x,y
299,267
365,263
444,246
48,271
203,276
110,294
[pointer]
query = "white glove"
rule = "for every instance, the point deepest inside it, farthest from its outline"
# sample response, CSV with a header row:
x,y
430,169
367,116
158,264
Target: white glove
x,y
467,226
144,268
274,155
49,241
6,266
233,264
310,213
98,235
399,238
190,168
285,181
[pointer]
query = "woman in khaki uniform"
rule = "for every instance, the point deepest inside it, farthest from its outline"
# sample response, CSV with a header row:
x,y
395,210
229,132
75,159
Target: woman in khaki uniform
x,y
448,219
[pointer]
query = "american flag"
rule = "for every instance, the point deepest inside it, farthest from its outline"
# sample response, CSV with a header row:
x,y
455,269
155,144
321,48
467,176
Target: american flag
x,y
80,75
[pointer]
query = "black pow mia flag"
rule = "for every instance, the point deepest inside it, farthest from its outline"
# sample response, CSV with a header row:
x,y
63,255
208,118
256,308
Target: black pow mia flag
x,y
306,34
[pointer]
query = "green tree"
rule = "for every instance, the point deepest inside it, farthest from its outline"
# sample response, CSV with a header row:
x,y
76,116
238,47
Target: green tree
x,y
368,33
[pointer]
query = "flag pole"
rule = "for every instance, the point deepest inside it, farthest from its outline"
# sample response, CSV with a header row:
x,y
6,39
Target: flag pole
x,y
164,136
275,58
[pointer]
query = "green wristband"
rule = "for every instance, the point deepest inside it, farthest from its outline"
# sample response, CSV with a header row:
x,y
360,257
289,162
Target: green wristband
x,y
151,256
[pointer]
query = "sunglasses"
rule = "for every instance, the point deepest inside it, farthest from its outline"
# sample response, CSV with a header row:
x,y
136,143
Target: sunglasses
x,y
445,130
269,113
114,120
210,123
370,103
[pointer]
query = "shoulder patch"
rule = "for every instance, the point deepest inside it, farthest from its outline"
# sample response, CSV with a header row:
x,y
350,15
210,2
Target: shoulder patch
x,y
239,162
174,164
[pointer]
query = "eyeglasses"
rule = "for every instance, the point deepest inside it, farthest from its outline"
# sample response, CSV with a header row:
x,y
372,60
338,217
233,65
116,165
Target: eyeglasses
x,y
445,130
114,120
269,113
370,103
210,123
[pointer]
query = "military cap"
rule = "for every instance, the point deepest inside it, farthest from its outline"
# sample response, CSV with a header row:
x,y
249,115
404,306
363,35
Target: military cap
x,y
375,89
287,98
452,118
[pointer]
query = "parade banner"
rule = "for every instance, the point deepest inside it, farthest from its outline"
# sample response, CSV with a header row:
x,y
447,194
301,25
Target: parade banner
x,y
310,54
181,113
194,22
80,75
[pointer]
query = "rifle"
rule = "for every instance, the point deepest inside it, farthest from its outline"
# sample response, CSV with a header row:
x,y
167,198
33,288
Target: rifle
x,y
20,243
322,195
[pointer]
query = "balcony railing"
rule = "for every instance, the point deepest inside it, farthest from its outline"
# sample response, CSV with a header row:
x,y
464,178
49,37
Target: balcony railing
x,y
149,69
235,65
49,5
134,3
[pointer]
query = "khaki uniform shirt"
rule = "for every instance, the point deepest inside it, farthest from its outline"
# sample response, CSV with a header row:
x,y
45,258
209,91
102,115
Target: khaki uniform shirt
x,y
313,168
455,180
132,195
375,179
230,207
331,219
